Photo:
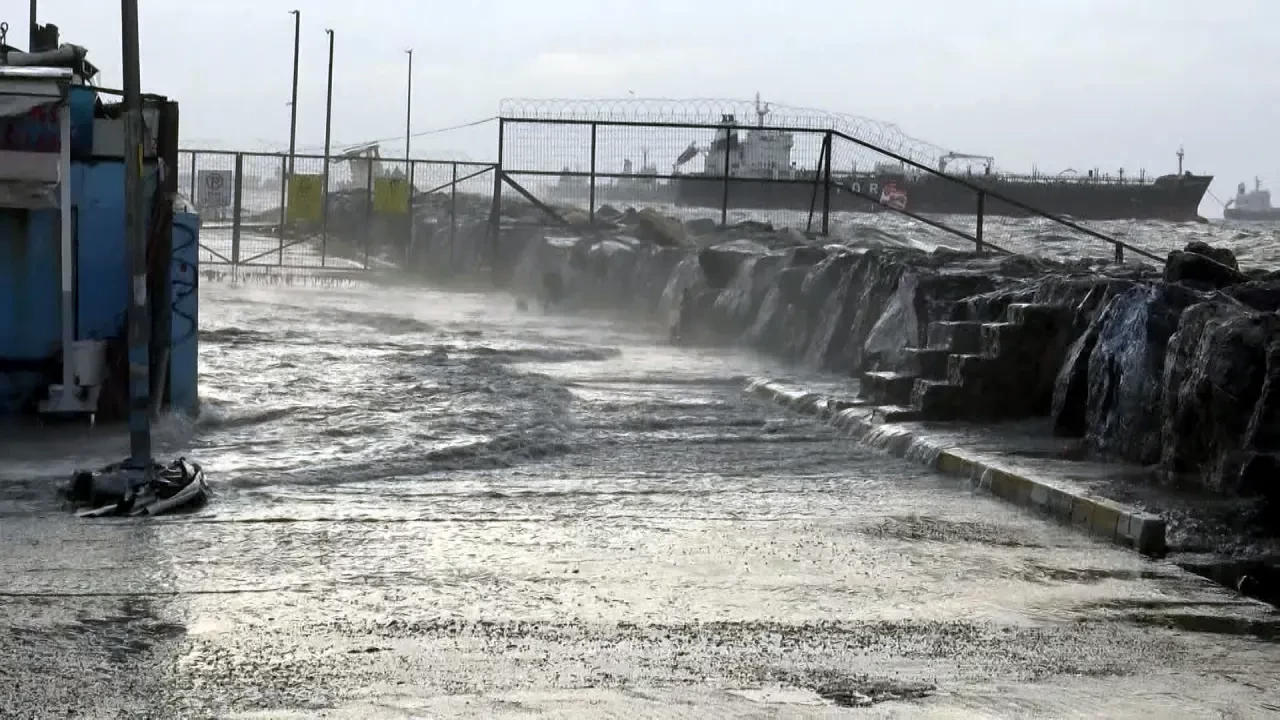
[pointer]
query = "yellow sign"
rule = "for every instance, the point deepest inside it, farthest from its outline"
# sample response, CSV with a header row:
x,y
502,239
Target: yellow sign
x,y
391,196
306,198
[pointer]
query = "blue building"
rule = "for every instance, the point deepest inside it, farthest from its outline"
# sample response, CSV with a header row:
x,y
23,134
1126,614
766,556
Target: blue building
x,y
64,265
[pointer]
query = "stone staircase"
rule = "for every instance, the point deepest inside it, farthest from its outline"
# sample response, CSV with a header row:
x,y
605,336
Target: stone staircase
x,y
976,369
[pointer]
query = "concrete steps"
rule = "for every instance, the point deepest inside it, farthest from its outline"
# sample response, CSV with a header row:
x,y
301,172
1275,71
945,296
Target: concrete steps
x,y
969,368
886,387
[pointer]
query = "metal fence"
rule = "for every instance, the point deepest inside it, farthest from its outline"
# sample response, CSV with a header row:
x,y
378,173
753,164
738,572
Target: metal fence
x,y
268,210
818,180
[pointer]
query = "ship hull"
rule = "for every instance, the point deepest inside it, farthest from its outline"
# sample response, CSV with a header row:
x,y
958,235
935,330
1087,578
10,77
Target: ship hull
x,y
1175,198
1272,215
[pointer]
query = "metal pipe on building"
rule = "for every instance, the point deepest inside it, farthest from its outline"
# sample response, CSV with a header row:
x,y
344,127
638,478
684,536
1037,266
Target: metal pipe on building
x,y
139,323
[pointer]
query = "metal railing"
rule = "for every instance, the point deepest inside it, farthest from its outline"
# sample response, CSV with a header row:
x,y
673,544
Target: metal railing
x,y
575,163
340,214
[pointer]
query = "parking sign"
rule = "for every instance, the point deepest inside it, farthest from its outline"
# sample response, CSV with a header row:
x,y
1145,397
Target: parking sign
x,y
215,189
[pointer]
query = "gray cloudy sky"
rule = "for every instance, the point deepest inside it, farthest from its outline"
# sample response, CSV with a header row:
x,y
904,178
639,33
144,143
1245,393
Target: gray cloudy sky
x,y
1056,83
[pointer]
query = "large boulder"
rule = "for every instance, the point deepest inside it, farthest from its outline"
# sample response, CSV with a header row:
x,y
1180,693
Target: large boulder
x,y
720,263
1221,406
867,282
1126,372
658,229
781,323
655,269
1263,295
701,226
1201,271
1069,405
1220,255
738,303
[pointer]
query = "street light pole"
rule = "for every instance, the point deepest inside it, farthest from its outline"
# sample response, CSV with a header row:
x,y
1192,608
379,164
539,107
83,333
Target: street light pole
x,y
293,106
139,322
408,108
31,42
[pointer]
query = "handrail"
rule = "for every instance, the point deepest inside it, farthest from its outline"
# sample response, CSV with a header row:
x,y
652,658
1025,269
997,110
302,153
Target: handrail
x,y
1001,197
994,194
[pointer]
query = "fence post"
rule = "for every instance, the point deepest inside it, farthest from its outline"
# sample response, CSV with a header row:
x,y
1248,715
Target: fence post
x,y
408,250
495,215
284,182
826,186
591,214
194,204
453,213
1119,253
324,215
237,203
724,201
982,202
368,211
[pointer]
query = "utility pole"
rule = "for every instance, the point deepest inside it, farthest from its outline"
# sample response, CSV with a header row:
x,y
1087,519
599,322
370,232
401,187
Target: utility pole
x,y
408,110
293,106
139,322
31,41
328,127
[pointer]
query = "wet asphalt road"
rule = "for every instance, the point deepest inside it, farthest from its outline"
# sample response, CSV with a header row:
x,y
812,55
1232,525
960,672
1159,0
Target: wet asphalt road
x,y
433,505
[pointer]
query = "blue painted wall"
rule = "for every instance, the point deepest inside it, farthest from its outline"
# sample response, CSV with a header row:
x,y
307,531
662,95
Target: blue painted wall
x,y
30,315
184,354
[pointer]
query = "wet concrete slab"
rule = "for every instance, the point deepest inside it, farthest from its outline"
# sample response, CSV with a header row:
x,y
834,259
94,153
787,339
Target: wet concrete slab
x,y
575,534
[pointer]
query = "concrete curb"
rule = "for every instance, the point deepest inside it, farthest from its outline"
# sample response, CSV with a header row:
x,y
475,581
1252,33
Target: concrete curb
x,y
1097,516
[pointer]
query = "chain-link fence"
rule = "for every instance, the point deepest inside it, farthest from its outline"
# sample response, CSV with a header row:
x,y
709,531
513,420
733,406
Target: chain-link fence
x,y
346,212
817,180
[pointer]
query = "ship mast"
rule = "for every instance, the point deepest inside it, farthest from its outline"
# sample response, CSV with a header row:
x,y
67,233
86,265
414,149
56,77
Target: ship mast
x,y
1180,154
762,109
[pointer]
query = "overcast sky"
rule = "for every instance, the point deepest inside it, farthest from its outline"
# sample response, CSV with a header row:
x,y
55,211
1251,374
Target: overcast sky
x,y
1055,83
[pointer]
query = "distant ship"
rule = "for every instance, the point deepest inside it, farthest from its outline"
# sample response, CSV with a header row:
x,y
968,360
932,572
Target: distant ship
x,y
765,155
629,186
1251,205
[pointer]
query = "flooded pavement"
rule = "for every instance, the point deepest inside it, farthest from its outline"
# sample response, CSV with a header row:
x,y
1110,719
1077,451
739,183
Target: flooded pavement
x,y
435,505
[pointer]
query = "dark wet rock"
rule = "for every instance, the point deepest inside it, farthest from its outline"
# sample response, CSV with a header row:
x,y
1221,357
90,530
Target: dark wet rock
x,y
780,325
608,214
1126,371
720,263
1263,295
805,256
1220,255
1202,271
689,324
686,275
655,268
658,229
738,303
853,309
898,327
1221,408
701,226
753,226
1071,386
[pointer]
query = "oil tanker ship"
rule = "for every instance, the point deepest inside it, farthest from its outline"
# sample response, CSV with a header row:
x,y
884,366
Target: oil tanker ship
x,y
1251,204
763,176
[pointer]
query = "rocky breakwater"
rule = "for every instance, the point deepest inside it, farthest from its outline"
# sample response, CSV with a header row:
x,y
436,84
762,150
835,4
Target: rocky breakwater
x,y
1175,368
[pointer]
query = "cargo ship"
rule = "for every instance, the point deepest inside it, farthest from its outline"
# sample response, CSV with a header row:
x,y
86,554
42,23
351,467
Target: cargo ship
x,y
763,176
1251,204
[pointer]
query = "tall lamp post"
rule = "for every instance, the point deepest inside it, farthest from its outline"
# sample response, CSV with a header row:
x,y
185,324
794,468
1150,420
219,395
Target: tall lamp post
x,y
408,107
293,105
328,135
